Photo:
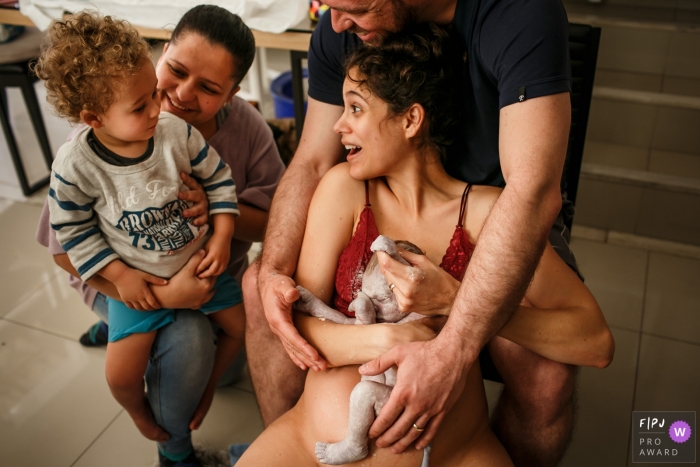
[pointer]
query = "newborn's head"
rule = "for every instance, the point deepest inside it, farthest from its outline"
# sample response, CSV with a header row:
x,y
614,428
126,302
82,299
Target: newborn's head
x,y
387,245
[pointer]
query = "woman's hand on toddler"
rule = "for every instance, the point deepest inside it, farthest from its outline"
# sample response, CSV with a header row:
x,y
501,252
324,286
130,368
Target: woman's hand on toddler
x,y
132,285
134,291
218,252
199,211
133,288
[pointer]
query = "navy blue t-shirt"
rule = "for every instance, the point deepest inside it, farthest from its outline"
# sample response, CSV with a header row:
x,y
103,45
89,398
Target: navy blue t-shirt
x,y
514,48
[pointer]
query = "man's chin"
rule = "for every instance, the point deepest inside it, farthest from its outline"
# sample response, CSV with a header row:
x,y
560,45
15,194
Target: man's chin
x,y
373,37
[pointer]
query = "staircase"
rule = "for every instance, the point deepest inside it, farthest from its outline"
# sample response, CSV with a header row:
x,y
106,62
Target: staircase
x,y
641,167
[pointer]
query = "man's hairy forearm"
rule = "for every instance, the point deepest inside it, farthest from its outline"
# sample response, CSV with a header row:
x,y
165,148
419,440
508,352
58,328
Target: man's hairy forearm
x,y
288,214
504,261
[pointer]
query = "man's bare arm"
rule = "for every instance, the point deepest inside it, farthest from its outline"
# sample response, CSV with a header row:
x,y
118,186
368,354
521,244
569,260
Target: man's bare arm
x,y
533,140
532,144
318,151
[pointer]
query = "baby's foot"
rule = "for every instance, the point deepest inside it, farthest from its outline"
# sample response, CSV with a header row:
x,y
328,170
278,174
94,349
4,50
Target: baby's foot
x,y
306,301
147,425
339,453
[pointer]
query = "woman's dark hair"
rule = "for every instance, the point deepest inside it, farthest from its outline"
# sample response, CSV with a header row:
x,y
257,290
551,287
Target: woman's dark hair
x,y
420,64
220,27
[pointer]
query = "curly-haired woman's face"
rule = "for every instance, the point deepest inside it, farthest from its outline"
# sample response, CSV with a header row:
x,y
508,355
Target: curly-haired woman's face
x,y
375,139
195,79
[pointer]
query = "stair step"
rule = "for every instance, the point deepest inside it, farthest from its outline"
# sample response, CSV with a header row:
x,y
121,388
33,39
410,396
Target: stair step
x,y
646,97
641,178
630,240
602,21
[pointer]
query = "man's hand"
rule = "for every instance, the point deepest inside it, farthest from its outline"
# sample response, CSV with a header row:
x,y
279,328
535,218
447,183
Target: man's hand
x,y
199,210
185,289
277,293
424,288
431,376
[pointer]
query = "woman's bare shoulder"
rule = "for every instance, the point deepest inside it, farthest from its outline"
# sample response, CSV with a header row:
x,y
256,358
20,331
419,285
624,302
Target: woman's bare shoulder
x,y
338,179
481,200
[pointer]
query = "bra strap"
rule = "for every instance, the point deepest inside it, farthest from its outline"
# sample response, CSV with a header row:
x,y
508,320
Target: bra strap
x,y
367,194
463,207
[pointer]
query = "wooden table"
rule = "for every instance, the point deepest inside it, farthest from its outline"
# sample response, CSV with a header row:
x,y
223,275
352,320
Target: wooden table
x,y
295,39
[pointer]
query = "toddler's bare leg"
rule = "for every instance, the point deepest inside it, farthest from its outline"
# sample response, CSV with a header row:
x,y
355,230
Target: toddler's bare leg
x,y
310,304
366,400
363,308
230,342
125,366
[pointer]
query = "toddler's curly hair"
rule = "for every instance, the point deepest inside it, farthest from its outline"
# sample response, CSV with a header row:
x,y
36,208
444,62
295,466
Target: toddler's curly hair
x,y
85,58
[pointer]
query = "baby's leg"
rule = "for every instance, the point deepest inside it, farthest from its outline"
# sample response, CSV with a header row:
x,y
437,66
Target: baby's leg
x,y
366,400
230,342
311,305
126,364
363,308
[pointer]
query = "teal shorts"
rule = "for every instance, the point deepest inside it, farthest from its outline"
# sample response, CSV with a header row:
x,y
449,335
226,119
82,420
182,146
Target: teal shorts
x,y
124,321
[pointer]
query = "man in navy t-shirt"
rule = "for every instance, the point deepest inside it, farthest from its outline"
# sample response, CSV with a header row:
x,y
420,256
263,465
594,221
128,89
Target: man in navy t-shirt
x,y
515,130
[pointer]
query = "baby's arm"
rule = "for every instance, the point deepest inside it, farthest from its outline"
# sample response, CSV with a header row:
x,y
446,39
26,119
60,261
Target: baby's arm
x,y
218,247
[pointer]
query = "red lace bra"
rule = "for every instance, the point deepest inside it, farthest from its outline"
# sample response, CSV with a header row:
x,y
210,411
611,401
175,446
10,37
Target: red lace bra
x,y
354,258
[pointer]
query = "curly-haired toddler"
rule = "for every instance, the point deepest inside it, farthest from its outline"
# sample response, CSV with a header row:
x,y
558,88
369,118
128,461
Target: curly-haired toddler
x,y
114,198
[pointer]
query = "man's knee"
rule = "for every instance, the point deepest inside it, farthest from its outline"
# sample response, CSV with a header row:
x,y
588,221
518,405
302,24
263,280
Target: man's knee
x,y
546,389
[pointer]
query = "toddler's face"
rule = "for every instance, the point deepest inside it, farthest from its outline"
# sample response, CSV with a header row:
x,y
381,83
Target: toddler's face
x,y
134,114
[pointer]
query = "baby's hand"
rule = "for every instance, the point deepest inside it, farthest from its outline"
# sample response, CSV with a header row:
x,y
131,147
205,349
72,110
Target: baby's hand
x,y
216,260
132,285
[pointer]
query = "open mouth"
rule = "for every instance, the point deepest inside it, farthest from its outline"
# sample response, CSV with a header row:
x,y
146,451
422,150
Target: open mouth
x,y
178,107
353,149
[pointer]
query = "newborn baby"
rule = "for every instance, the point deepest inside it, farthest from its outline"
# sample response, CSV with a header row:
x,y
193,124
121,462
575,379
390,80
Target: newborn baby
x,y
374,303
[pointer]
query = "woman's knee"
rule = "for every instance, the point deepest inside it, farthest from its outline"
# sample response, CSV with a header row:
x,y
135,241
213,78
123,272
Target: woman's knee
x,y
187,344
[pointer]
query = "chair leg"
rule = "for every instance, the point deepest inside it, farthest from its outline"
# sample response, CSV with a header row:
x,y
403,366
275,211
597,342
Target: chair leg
x,y
12,143
33,107
37,120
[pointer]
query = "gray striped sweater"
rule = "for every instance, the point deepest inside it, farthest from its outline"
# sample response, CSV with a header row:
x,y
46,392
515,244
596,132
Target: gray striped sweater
x,y
102,212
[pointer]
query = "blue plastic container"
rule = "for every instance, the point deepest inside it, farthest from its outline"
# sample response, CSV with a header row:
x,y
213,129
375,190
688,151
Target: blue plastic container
x,y
282,96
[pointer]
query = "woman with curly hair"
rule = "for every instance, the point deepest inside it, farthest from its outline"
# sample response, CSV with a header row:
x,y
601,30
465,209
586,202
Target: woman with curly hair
x,y
397,121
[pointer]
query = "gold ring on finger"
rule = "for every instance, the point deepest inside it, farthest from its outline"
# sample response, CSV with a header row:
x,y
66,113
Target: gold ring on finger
x,y
415,427
391,287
